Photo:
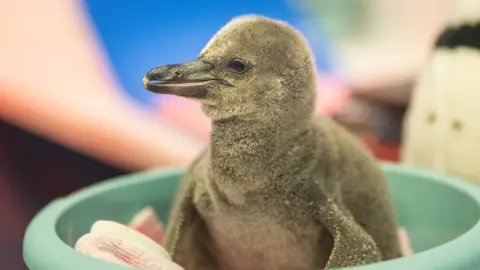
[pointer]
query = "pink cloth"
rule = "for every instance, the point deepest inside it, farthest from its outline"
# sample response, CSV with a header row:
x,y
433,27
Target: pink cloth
x,y
148,223
116,243
404,240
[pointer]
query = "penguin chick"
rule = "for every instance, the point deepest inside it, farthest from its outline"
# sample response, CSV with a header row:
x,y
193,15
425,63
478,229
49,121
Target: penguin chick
x,y
277,188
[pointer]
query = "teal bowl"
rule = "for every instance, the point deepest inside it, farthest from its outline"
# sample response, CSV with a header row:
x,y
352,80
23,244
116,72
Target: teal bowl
x,y
441,215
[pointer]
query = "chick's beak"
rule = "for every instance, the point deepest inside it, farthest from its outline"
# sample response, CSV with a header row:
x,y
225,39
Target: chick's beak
x,y
187,80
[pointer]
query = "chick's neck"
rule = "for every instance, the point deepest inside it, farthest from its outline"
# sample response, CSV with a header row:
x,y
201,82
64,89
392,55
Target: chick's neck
x,y
248,150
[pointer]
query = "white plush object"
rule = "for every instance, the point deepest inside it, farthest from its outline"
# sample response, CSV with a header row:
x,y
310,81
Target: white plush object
x,y
442,126
113,242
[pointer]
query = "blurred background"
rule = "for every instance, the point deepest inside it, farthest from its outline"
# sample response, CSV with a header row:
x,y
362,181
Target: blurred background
x,y
73,110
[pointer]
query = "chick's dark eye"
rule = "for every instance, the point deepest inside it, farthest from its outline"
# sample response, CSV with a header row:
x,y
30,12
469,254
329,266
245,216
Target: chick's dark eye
x,y
238,65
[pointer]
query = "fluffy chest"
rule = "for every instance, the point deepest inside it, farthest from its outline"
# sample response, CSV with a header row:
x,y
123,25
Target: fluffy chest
x,y
259,243
247,238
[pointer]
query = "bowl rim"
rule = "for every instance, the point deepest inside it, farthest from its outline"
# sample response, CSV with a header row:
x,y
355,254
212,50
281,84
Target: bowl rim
x,y
42,247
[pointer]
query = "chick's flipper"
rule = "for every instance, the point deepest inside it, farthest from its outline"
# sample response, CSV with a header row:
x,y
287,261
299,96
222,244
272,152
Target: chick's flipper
x,y
189,243
352,245
186,231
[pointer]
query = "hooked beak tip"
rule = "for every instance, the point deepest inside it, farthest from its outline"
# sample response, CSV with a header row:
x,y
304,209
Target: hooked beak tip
x,y
145,82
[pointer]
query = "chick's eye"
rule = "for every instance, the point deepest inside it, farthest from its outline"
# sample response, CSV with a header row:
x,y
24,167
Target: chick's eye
x,y
237,65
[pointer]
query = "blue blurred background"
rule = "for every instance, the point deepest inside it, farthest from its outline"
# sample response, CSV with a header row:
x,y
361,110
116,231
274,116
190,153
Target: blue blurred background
x,y
140,35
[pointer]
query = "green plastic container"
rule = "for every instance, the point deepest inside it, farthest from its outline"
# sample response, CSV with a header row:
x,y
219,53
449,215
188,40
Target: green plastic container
x,y
441,216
